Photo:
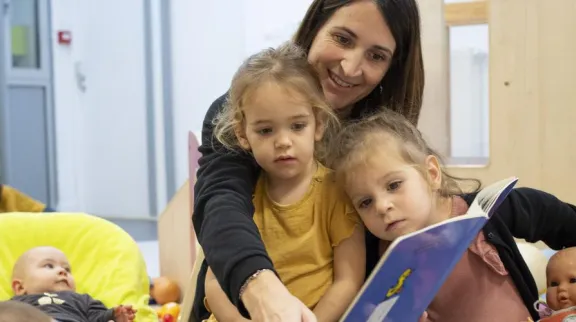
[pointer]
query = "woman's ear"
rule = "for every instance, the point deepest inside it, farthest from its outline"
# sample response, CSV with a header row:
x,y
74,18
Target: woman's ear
x,y
434,172
240,132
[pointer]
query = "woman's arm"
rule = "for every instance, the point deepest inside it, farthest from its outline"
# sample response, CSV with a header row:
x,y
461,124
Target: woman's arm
x,y
218,302
535,215
223,211
349,267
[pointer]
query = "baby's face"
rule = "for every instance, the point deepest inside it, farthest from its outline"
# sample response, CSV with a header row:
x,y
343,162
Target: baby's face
x,y
47,270
561,280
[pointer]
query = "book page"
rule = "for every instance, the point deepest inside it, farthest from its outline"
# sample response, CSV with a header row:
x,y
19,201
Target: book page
x,y
489,198
381,311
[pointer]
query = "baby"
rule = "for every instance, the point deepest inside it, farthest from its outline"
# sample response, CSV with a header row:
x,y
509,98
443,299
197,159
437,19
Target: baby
x,y
42,277
561,288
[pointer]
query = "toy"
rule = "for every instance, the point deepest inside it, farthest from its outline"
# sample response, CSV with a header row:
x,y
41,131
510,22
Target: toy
x,y
164,290
169,312
565,315
560,305
167,318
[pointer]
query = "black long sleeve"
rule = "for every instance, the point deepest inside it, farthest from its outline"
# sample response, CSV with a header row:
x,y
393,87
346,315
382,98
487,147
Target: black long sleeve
x,y
223,211
535,215
68,306
96,310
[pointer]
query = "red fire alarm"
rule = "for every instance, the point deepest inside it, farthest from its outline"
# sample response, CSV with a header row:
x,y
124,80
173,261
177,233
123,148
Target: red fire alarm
x,y
64,37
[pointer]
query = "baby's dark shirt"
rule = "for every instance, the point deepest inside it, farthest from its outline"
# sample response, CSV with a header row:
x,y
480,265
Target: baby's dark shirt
x,y
68,306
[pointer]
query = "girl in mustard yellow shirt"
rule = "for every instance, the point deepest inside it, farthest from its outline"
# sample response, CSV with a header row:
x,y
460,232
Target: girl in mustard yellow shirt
x,y
277,112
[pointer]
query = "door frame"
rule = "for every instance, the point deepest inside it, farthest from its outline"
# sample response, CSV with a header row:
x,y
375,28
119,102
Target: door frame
x,y
41,77
3,83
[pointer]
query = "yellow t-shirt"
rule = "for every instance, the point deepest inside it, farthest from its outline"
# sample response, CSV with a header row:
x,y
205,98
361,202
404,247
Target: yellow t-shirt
x,y
299,238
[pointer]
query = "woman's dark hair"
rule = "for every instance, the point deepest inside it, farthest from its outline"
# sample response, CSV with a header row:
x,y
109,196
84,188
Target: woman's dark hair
x,y
402,88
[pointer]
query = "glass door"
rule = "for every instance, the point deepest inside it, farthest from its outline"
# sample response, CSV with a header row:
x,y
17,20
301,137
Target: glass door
x,y
24,34
4,27
27,133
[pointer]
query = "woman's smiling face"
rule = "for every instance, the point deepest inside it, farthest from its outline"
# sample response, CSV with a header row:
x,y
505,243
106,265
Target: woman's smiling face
x,y
352,52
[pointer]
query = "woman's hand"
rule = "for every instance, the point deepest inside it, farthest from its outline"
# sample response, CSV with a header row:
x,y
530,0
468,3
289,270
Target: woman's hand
x,y
268,300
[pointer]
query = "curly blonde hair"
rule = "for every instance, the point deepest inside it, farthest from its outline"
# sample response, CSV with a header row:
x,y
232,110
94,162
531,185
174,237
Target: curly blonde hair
x,y
358,139
287,66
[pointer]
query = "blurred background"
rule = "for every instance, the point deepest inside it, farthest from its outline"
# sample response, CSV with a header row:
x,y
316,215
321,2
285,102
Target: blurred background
x,y
97,97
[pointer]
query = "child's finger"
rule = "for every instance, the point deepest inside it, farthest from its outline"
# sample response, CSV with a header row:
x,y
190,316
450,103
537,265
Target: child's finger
x,y
424,317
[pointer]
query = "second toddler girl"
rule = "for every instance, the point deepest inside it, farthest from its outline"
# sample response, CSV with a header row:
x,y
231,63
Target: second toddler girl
x,y
397,184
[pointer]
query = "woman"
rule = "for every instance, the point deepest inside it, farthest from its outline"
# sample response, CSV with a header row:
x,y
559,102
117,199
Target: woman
x,y
367,54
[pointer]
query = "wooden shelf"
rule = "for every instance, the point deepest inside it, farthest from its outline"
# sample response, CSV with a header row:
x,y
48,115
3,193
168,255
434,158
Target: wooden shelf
x,y
466,13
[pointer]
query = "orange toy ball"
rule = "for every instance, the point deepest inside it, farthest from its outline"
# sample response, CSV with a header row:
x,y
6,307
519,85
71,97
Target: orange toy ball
x,y
164,290
171,308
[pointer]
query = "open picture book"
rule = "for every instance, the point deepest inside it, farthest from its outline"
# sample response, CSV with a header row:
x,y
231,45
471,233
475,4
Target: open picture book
x,y
412,270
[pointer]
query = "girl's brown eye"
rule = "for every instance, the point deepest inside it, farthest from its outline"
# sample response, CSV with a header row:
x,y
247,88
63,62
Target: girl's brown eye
x,y
364,203
394,185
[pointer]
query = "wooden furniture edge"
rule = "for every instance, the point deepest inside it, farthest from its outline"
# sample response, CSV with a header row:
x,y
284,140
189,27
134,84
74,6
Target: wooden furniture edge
x,y
466,13
175,233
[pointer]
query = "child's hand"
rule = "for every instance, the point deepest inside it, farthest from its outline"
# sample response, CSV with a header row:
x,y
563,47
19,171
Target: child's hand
x,y
424,317
124,313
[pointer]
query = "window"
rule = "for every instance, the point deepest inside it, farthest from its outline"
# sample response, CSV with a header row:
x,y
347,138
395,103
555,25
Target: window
x,y
25,46
469,97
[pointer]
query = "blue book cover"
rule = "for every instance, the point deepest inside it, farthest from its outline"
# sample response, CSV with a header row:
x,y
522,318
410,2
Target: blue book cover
x,y
415,266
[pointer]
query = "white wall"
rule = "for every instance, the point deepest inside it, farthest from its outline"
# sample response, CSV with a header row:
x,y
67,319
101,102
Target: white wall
x,y
101,133
268,23
207,48
68,108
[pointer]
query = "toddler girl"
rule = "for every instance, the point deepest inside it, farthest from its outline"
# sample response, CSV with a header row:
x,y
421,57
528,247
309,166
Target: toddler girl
x,y
397,185
277,112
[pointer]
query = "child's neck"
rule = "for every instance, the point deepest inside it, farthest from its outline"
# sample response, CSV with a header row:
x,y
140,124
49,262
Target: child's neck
x,y
290,191
442,210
